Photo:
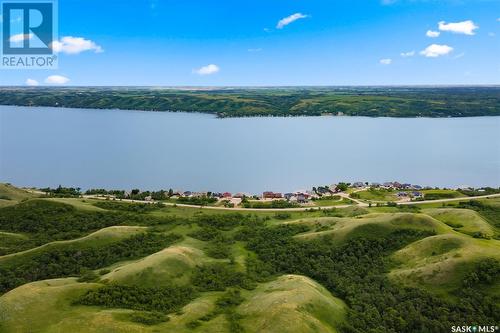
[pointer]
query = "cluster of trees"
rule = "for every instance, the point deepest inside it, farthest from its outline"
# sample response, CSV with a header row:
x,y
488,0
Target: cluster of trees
x,y
135,194
226,305
366,101
74,259
269,204
165,299
219,276
219,245
198,201
62,192
479,191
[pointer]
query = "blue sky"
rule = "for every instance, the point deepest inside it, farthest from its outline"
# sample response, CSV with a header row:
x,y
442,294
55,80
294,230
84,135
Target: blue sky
x,y
241,43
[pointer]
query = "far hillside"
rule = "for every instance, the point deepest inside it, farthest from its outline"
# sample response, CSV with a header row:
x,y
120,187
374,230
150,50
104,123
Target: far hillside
x,y
273,101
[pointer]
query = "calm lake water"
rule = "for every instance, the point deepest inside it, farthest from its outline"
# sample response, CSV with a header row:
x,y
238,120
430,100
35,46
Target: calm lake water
x,y
132,149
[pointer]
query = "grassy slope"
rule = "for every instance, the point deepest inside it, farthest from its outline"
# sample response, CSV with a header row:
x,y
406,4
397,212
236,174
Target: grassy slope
x,y
292,304
98,238
439,263
10,195
463,220
370,225
171,265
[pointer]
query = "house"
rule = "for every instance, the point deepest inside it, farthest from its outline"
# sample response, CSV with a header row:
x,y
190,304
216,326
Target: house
x,y
323,190
302,198
187,194
358,184
375,184
288,196
226,195
417,194
402,194
272,195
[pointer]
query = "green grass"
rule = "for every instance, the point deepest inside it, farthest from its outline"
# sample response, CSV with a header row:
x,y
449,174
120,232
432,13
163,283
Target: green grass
x,y
442,194
10,195
171,265
376,195
463,220
291,303
331,202
370,226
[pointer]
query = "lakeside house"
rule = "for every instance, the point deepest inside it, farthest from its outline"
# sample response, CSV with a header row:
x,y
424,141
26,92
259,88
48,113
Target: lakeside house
x,y
271,195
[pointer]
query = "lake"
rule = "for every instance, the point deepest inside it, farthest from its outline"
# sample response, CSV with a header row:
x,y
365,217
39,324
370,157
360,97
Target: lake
x,y
154,150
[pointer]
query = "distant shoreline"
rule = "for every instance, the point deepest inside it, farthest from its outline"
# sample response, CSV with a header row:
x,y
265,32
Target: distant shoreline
x,y
394,102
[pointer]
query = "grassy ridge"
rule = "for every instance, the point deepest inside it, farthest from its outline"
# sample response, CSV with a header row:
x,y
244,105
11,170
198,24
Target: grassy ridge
x,y
371,102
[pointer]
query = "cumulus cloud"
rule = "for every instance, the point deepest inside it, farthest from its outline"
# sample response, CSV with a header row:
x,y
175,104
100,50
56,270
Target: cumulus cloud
x,y
32,83
75,45
432,34
290,19
56,79
20,37
207,70
386,61
436,50
465,27
408,54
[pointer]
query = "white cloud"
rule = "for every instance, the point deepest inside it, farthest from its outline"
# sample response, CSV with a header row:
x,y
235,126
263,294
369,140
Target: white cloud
x,y
207,70
56,79
386,61
458,56
20,37
408,54
432,34
31,82
289,19
465,27
436,50
75,45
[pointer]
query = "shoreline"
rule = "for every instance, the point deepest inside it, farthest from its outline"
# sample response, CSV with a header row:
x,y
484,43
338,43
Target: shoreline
x,y
271,116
